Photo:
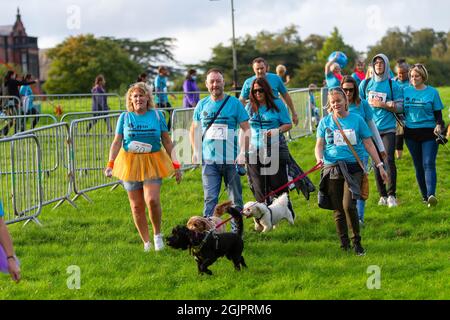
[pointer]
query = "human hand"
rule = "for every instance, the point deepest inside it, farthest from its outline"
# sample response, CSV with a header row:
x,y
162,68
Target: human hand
x,y
376,103
240,159
14,270
195,158
384,175
438,130
384,156
108,172
295,119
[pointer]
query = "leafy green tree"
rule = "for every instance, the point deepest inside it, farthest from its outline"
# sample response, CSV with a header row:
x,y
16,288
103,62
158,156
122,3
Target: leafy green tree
x,y
79,59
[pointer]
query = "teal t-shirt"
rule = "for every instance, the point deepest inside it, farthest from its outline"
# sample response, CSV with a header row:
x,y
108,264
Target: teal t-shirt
x,y
364,110
146,128
2,213
332,81
276,83
384,120
265,120
419,106
336,149
161,89
403,84
220,144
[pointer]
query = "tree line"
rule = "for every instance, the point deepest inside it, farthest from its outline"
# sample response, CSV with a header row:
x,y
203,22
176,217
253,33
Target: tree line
x,y
77,60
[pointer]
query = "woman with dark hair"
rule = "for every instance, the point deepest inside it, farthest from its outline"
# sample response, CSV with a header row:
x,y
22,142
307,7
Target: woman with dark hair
x,y
191,95
12,87
99,102
361,107
269,154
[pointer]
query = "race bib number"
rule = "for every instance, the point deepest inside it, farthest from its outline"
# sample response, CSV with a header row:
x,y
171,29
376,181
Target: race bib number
x,y
339,139
139,147
217,132
380,96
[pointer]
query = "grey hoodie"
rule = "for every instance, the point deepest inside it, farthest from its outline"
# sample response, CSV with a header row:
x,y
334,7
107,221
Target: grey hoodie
x,y
387,67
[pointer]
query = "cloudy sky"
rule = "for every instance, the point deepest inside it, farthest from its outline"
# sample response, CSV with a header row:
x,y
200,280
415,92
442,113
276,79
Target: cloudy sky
x,y
199,25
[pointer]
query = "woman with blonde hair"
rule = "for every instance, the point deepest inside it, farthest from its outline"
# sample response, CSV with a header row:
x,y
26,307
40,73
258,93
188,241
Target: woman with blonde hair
x,y
136,158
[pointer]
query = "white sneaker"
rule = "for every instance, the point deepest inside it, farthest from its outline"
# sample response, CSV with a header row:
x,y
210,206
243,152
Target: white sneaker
x,y
147,246
432,201
383,201
159,243
392,202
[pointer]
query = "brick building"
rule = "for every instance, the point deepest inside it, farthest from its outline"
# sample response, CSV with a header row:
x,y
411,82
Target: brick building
x,y
17,48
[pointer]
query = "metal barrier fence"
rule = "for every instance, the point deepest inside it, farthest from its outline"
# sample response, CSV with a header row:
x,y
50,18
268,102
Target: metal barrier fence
x,y
301,101
181,123
60,104
90,153
20,178
71,116
56,178
10,125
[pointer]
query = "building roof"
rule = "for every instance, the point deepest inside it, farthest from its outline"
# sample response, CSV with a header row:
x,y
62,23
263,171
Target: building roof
x,y
6,30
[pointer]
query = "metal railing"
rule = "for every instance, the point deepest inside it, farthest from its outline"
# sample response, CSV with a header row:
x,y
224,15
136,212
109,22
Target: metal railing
x,y
90,153
24,123
20,178
55,163
181,123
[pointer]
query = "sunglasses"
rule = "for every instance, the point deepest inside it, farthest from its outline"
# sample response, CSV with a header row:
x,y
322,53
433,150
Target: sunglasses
x,y
258,90
348,89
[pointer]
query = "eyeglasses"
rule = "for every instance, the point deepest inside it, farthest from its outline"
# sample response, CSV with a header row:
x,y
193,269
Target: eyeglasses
x,y
260,90
348,89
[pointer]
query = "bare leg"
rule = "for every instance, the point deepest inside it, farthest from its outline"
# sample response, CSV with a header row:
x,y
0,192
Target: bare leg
x,y
153,202
137,205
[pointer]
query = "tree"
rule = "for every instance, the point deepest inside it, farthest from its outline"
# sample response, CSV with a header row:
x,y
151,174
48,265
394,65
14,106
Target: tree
x,y
149,54
336,43
79,59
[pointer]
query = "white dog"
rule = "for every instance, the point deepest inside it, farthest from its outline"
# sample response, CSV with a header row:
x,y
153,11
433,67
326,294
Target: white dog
x,y
266,217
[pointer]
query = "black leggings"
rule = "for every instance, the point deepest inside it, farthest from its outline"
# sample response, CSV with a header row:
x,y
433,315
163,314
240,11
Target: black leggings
x,y
391,188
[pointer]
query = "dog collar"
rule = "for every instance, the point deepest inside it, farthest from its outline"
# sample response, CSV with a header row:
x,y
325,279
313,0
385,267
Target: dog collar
x,y
271,215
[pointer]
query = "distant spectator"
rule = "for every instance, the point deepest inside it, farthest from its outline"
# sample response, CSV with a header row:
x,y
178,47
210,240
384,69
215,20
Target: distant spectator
x,y
359,73
315,114
402,78
142,78
333,72
282,73
190,89
99,101
161,98
27,100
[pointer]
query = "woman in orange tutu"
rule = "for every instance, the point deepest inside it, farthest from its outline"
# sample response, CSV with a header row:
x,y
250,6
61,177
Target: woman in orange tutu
x,y
136,158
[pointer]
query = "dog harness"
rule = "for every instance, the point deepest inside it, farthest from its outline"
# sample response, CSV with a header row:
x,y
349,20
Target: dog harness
x,y
194,250
271,215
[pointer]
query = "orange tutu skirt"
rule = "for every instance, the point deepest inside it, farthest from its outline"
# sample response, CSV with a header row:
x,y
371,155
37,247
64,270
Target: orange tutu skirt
x,y
142,166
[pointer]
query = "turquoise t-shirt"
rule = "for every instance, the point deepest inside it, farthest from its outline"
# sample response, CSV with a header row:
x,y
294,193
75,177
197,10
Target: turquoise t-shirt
x,y
403,84
2,213
146,128
276,83
332,81
220,144
364,110
161,89
384,120
419,106
355,128
265,120
27,94
357,79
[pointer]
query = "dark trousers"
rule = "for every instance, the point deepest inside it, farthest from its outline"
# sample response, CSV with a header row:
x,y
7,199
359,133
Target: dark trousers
x,y
399,138
391,188
262,185
345,214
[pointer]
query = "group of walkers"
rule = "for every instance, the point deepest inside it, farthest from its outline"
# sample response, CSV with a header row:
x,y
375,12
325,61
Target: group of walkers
x,y
362,122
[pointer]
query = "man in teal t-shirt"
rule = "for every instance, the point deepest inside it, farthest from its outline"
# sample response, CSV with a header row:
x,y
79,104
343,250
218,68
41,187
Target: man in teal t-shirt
x,y
217,148
260,67
161,98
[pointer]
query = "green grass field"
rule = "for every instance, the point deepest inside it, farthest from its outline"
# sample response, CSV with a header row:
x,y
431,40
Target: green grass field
x,y
410,244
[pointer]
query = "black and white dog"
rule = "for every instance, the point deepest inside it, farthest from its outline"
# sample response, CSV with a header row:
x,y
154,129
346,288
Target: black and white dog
x,y
207,247
266,217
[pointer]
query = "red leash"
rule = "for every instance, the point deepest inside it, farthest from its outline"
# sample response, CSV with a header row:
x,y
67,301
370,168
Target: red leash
x,y
315,168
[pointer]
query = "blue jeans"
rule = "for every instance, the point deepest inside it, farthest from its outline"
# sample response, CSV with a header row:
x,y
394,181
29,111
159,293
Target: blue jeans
x,y
424,157
361,204
212,175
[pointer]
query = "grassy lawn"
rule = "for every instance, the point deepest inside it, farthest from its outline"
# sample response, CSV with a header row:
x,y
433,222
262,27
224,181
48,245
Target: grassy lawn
x,y
410,244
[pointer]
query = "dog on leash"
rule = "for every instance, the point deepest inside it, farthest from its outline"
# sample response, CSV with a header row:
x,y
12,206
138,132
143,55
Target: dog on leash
x,y
208,246
267,217
202,224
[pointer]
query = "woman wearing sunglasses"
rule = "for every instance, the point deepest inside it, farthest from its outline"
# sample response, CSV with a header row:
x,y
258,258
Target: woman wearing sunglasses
x,y
423,113
361,107
342,174
269,153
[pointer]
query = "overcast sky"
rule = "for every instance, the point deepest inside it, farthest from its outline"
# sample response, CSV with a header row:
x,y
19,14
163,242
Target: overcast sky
x,y
199,25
